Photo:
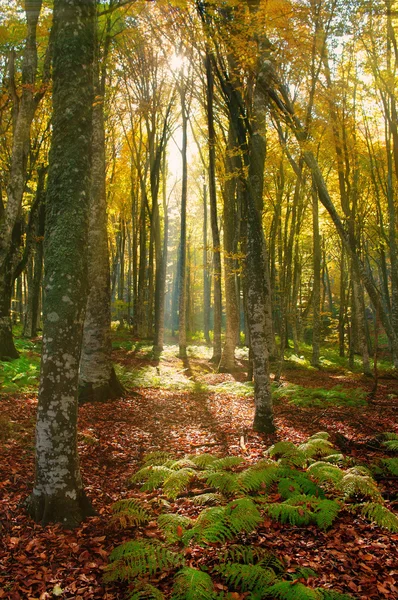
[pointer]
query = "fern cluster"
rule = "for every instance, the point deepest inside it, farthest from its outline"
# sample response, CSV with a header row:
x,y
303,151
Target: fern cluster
x,y
297,485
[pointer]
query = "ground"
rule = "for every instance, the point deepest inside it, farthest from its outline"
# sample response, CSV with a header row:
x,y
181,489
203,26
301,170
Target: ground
x,y
185,407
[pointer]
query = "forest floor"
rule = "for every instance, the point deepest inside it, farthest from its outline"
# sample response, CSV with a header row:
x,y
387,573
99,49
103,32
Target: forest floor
x,y
185,407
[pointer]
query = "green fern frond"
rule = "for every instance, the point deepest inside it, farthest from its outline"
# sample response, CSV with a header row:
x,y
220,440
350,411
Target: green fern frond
x,y
203,460
335,459
391,444
355,485
287,454
380,515
302,510
239,553
218,524
145,591
324,472
242,515
227,462
140,557
174,526
325,512
303,573
177,481
209,498
316,447
157,458
298,483
390,465
227,483
289,590
182,463
191,584
246,577
253,479
129,513
151,476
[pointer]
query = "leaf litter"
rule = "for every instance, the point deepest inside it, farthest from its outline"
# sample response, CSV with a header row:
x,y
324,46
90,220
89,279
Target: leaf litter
x,y
211,415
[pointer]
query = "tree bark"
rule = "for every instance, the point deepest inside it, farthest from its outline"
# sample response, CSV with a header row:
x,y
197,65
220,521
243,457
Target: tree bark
x,y
58,493
97,379
316,297
182,274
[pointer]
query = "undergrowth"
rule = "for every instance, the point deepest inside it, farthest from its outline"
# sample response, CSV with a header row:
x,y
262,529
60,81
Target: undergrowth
x,y
226,501
310,397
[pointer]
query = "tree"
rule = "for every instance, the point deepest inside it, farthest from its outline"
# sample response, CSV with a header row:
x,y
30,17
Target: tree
x,y
58,493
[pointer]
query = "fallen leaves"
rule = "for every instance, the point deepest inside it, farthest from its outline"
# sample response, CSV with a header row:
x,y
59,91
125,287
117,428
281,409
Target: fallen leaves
x,y
112,441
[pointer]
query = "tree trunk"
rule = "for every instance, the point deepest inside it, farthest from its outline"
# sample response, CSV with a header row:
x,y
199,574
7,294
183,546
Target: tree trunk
x,y
206,275
227,363
24,109
182,274
316,297
97,379
58,493
217,305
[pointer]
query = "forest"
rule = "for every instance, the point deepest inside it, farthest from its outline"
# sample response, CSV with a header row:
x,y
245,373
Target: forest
x,y
198,299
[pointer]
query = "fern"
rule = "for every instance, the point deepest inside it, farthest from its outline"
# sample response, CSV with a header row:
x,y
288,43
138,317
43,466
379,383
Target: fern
x,y
298,483
140,557
219,524
302,510
203,460
247,555
208,498
227,483
145,591
152,476
331,595
320,435
182,463
380,515
391,441
227,462
246,577
290,590
253,479
325,473
129,513
316,447
191,584
390,465
355,484
288,454
177,481
157,458
174,526
335,459
303,573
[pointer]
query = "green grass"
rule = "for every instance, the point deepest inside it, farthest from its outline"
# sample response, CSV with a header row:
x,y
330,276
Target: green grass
x,y
307,397
21,374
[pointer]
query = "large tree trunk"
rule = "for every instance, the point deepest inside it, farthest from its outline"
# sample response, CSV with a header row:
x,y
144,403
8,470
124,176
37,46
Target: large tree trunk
x,y
24,109
206,275
58,493
97,380
316,297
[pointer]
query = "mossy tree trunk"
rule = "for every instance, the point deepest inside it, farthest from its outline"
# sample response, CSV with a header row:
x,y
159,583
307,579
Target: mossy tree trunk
x,y
98,381
58,494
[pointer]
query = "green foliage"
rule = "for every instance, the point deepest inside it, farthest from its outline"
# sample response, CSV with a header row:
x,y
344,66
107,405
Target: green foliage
x,y
316,448
325,473
290,590
391,441
390,465
302,510
218,524
179,480
379,514
227,462
174,526
203,460
140,557
288,454
253,479
358,485
20,375
157,458
209,498
249,555
227,483
309,397
191,584
247,577
129,513
152,476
